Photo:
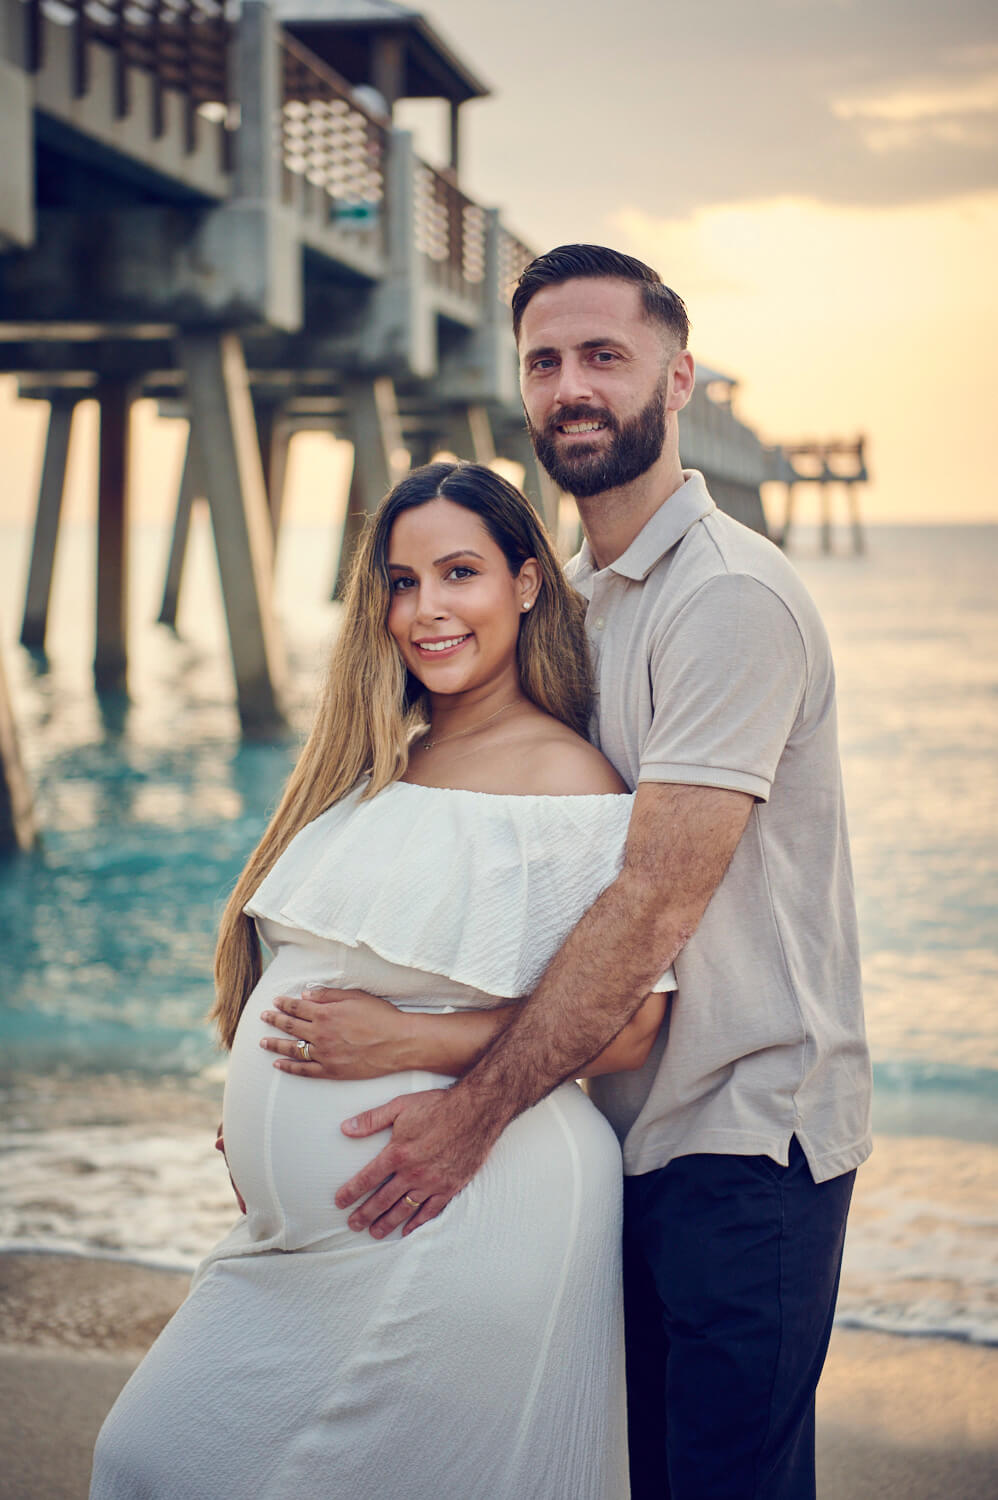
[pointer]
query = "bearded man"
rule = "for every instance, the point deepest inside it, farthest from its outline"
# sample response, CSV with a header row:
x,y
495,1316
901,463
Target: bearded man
x,y
742,1133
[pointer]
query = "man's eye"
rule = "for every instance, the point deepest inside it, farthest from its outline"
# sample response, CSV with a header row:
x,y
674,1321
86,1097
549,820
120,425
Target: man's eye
x,y
604,356
543,365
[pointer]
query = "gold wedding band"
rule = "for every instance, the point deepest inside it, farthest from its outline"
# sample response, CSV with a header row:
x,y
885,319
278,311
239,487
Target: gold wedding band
x,y
412,1201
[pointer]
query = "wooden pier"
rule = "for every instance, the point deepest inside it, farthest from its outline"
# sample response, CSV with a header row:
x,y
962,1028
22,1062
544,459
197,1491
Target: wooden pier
x,y
160,238
829,465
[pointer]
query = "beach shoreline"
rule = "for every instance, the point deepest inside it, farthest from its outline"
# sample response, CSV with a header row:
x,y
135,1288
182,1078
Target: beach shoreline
x,y
911,1418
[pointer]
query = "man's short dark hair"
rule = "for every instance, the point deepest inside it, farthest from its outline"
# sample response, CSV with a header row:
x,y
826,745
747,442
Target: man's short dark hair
x,y
571,262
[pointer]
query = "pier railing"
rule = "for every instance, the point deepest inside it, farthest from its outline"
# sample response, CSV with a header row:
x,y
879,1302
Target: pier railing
x,y
279,126
449,233
183,45
514,255
334,152
331,146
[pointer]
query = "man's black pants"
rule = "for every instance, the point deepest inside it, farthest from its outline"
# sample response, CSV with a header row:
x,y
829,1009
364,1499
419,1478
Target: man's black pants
x,y
731,1268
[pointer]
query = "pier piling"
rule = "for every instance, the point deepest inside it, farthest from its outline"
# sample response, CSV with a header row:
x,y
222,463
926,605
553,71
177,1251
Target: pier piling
x,y
17,819
111,652
468,433
190,489
855,520
50,494
379,457
227,454
825,465
274,437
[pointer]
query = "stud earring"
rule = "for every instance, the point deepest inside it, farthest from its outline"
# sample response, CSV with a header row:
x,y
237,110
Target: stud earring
x,y
526,603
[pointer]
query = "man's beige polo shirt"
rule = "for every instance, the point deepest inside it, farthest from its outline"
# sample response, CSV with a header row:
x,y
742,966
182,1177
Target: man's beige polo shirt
x,y
713,669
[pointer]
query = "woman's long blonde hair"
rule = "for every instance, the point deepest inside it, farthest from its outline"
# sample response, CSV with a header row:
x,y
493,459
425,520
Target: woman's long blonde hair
x,y
370,704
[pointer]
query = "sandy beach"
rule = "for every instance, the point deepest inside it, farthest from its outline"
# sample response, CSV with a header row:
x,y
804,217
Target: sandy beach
x,y
899,1418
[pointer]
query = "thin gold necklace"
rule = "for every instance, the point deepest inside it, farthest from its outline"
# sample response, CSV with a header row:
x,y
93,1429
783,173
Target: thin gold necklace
x,y
429,744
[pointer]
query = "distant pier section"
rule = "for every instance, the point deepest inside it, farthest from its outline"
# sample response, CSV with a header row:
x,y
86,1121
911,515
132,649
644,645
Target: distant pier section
x,y
211,205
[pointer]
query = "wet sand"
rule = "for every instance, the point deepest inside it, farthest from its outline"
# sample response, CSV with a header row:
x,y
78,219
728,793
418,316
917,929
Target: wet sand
x,y
899,1418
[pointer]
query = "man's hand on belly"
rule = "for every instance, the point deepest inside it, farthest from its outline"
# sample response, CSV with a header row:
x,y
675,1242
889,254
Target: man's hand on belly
x,y
439,1141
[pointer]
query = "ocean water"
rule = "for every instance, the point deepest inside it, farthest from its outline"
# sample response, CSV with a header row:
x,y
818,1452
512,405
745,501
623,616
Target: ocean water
x,y
148,807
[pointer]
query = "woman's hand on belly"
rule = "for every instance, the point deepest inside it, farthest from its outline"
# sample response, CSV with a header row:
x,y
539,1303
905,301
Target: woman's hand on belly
x,y
351,1035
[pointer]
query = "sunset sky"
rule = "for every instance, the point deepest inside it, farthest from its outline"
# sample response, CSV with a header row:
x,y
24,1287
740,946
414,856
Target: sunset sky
x,y
818,178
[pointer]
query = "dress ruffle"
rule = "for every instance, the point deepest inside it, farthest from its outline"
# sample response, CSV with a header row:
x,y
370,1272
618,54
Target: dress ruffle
x,y
527,869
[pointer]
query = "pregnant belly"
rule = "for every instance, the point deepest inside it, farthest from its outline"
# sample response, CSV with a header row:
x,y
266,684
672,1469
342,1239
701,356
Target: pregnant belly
x,y
285,1149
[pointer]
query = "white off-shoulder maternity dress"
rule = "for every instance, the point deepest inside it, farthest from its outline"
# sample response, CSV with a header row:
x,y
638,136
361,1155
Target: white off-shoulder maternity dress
x,y
479,1358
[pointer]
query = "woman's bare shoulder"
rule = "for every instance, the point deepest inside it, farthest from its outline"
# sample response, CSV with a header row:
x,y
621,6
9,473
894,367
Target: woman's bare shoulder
x,y
538,756
560,763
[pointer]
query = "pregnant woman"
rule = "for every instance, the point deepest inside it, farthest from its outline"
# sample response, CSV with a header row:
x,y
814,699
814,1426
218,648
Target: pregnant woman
x,y
444,829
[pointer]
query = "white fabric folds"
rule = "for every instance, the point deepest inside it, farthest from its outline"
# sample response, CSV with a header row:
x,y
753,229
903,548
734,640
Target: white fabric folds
x,y
527,869
479,1358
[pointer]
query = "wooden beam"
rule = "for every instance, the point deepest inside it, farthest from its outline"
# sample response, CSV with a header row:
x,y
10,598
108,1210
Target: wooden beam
x,y
378,459
223,431
17,819
189,491
387,67
47,517
788,514
274,436
537,485
855,519
455,137
111,655
468,434
825,504
81,55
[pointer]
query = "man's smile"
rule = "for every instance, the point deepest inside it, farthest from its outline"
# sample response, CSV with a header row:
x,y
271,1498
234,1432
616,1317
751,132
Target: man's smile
x,y
579,429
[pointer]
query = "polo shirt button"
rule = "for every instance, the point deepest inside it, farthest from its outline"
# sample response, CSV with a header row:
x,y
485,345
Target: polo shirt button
x,y
599,622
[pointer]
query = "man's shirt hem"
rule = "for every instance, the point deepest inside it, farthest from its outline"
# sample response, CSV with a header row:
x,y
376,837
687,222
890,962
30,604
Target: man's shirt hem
x,y
657,1151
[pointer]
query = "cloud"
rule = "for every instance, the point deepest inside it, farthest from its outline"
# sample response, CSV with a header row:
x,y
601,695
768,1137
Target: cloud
x,y
850,102
926,113
841,320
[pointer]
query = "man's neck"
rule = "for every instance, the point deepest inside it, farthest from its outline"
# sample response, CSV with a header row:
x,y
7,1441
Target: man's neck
x,y
612,519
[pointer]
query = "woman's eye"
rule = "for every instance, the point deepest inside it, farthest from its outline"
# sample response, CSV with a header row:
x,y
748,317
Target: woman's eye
x,y
462,572
401,585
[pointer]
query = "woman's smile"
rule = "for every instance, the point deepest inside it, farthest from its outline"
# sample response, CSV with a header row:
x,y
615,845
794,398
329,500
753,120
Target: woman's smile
x,y
443,646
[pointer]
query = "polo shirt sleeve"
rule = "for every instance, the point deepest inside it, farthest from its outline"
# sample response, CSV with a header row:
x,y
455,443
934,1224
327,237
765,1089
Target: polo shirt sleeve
x,y
728,674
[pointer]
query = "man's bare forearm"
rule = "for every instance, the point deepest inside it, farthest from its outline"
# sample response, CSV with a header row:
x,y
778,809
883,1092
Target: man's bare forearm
x,y
452,1043
681,843
588,994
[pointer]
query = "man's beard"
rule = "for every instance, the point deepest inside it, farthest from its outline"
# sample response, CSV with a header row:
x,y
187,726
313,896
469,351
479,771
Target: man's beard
x,y
584,469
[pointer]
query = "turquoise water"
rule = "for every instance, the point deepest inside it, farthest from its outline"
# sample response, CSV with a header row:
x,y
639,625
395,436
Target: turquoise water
x,y
148,809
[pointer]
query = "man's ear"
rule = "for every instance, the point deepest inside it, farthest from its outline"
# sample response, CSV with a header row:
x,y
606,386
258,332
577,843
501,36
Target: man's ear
x,y
682,379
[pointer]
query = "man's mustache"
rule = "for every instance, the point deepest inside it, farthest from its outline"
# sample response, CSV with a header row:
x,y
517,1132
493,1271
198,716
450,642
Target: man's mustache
x,y
580,414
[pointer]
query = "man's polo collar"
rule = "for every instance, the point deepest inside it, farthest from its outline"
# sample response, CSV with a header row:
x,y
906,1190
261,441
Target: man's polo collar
x,y
670,523
659,535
